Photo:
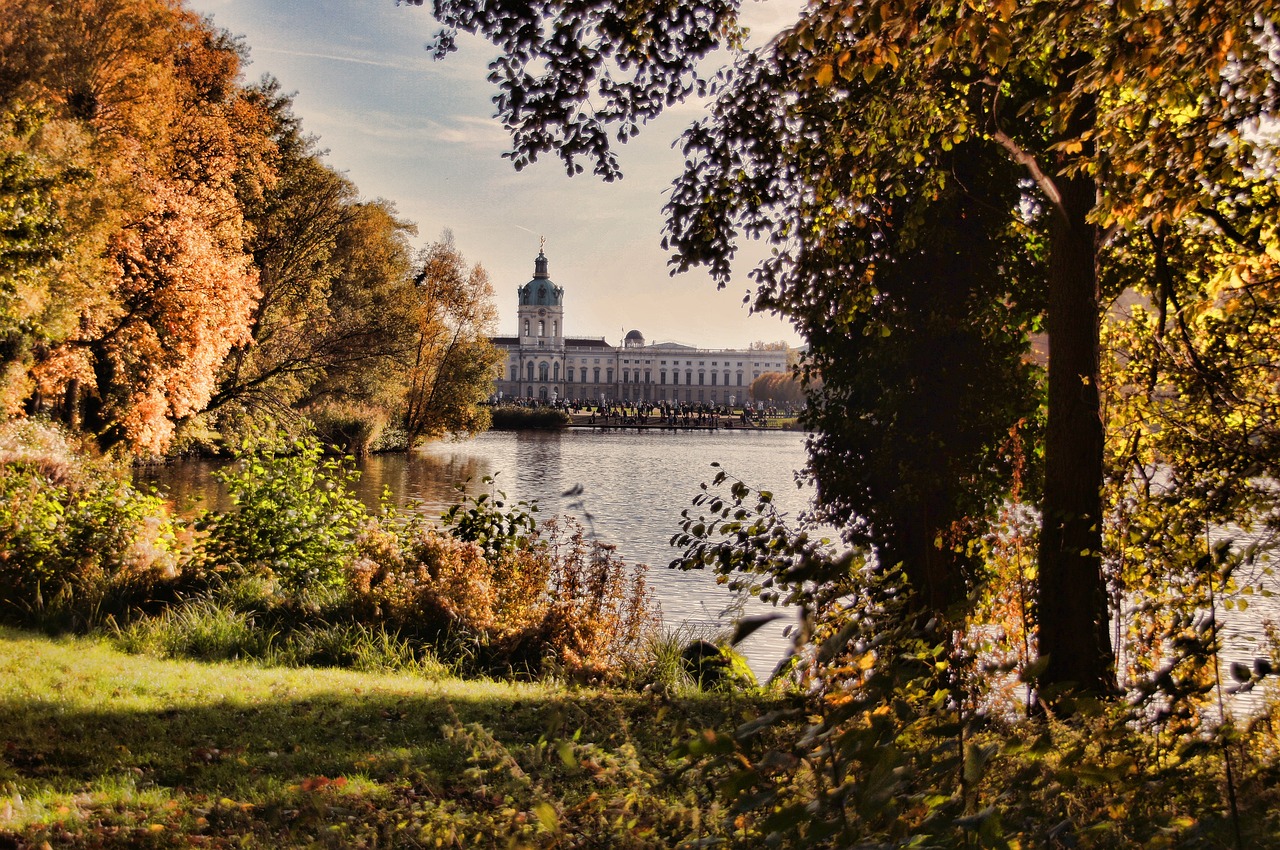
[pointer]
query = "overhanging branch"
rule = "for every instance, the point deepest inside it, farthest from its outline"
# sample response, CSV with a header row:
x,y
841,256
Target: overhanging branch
x,y
1027,161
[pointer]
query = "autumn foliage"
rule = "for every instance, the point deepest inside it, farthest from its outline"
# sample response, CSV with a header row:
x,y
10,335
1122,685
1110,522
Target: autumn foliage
x,y
777,388
178,264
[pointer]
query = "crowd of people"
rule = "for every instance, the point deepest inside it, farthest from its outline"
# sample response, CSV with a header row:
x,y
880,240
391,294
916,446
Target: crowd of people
x,y
668,414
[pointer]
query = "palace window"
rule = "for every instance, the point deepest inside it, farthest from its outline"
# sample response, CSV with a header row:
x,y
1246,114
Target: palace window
x,y
542,328
543,371
526,327
529,371
597,371
556,370
609,375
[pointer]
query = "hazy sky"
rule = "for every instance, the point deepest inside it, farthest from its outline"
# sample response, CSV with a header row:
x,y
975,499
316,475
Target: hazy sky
x,y
419,132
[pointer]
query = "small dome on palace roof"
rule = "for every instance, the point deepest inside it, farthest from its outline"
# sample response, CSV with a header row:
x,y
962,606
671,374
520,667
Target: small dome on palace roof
x,y
635,335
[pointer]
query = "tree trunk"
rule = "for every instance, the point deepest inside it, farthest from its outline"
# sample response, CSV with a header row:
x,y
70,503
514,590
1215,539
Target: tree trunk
x,y
1072,606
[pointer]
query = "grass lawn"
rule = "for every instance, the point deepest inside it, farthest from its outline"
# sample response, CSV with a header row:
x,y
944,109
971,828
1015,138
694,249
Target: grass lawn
x,y
103,749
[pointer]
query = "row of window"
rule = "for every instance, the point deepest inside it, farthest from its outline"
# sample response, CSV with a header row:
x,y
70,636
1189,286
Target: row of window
x,y
551,372
635,394
542,327
542,332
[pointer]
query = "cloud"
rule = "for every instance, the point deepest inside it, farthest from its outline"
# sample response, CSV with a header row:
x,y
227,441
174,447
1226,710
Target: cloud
x,y
468,130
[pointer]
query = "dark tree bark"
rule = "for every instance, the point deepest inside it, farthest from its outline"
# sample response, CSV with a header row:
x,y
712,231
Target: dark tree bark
x,y
1072,607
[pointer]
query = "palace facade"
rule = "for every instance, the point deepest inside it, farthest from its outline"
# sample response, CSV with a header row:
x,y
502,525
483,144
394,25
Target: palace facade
x,y
542,363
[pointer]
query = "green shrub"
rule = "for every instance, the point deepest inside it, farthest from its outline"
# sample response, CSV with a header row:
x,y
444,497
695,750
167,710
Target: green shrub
x,y
487,521
77,541
353,428
294,516
509,418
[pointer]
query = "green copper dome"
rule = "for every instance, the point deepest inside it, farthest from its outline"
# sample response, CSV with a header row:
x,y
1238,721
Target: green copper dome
x,y
541,291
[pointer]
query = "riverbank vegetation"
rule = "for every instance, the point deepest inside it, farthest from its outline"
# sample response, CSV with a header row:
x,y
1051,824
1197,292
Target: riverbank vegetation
x,y
180,267
297,571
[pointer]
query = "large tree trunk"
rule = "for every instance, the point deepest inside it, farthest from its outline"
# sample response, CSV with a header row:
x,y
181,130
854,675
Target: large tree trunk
x,y
1072,607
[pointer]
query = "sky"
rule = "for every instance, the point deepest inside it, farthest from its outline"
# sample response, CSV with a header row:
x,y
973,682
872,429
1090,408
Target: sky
x,y
421,133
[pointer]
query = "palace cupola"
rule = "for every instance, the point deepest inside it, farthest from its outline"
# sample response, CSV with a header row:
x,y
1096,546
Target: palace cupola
x,y
541,310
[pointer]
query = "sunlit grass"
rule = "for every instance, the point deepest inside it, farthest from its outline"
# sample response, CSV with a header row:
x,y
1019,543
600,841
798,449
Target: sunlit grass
x,y
100,748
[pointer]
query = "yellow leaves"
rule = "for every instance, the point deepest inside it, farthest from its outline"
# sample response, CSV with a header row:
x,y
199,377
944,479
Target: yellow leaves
x,y
1005,9
825,74
547,816
998,47
940,46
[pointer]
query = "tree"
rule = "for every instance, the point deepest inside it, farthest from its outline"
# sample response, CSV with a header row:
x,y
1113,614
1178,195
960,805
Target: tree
x,y
335,321
778,387
451,363
916,395
33,236
296,222
372,297
182,303
139,101
1191,408
1109,110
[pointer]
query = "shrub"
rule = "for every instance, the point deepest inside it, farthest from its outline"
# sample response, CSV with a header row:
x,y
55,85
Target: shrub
x,y
353,428
294,516
77,541
487,521
509,418
600,615
553,603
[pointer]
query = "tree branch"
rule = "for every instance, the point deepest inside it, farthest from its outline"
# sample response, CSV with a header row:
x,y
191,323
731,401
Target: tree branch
x,y
1027,161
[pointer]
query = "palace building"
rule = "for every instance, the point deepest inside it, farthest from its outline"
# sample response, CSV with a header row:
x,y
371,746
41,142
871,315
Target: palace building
x,y
542,363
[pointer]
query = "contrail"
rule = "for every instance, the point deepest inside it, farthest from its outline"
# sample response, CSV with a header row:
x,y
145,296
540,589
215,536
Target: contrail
x,y
329,56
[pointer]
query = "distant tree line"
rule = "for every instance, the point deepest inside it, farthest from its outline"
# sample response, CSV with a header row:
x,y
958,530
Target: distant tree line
x,y
178,263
